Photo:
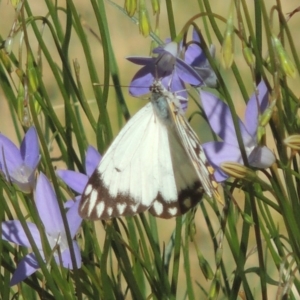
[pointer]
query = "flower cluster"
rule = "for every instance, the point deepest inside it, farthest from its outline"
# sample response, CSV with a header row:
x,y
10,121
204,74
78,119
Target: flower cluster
x,y
50,216
195,69
19,166
228,150
173,71
174,68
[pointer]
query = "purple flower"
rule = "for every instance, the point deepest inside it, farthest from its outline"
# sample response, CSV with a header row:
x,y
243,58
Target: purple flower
x,y
50,216
221,122
167,66
17,165
77,181
195,57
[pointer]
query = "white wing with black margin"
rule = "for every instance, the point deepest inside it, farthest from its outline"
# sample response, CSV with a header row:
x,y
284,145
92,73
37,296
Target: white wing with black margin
x,y
152,164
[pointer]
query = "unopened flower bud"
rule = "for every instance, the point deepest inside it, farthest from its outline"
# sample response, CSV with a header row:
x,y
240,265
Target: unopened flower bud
x,y
144,23
266,116
286,64
32,75
155,6
8,45
228,44
205,267
249,57
6,61
293,141
130,7
237,170
248,219
264,120
15,3
215,287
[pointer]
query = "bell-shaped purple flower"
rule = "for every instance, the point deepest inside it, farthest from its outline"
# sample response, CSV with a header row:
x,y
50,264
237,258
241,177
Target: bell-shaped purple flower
x,y
220,120
77,181
50,216
167,66
195,57
19,165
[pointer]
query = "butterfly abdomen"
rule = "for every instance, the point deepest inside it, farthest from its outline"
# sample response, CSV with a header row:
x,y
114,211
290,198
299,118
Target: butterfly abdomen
x,y
161,110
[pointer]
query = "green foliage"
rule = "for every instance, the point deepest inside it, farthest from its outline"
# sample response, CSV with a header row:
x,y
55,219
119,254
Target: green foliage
x,y
247,249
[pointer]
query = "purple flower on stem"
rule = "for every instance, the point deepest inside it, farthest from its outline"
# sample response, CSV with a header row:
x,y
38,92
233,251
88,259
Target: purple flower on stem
x,y
220,120
167,66
49,212
77,181
18,166
195,57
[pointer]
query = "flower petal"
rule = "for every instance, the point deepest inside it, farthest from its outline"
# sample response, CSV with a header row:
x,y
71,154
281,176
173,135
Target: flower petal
x,y
68,204
196,37
141,60
208,76
194,55
92,160
12,231
10,157
74,220
66,257
187,73
261,157
27,266
218,153
76,181
252,110
30,150
47,206
23,177
142,81
220,120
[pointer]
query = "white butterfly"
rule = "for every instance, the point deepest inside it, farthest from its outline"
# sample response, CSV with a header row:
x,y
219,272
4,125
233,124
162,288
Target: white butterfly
x,y
156,162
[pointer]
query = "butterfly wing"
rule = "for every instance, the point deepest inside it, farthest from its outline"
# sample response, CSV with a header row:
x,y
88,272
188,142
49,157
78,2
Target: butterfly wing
x,y
187,137
156,162
136,169
188,187
196,154
188,182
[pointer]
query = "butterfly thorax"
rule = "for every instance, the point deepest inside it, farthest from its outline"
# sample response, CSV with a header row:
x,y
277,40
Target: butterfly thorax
x,y
162,101
161,109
